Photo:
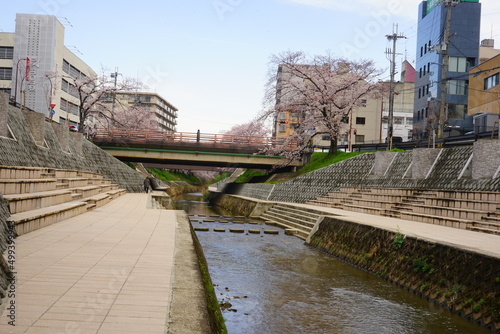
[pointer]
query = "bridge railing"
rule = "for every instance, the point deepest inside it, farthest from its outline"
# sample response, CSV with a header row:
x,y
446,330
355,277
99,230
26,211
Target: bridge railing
x,y
152,137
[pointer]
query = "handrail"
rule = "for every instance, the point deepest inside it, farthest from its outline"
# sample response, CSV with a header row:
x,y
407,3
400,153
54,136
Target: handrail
x,y
134,136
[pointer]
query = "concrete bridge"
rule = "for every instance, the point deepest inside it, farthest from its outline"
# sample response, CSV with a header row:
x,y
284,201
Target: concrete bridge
x,y
193,149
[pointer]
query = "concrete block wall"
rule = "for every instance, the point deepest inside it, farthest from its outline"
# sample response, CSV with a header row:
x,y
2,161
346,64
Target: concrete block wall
x,y
382,162
4,114
434,169
423,161
5,273
486,159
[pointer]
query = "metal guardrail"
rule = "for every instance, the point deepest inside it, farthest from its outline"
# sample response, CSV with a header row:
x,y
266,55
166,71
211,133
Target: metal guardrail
x,y
456,141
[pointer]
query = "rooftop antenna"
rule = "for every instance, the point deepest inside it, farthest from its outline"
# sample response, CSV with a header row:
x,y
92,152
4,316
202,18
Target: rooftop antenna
x,y
64,21
74,49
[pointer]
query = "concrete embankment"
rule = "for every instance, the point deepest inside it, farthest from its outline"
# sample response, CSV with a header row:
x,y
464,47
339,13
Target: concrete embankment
x,y
454,272
28,140
464,282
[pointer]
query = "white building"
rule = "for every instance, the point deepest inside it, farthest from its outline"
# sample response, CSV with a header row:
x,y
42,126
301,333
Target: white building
x,y
38,62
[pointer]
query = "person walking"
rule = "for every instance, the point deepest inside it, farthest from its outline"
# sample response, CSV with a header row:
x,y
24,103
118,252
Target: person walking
x,y
147,184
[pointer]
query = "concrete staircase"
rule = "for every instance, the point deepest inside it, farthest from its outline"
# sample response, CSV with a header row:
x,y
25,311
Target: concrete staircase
x,y
295,220
40,197
472,210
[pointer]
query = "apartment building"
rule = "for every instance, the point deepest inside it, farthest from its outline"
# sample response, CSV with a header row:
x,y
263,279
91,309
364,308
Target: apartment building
x,y
163,114
463,53
41,68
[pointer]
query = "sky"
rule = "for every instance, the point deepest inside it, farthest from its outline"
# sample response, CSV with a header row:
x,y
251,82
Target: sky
x,y
209,58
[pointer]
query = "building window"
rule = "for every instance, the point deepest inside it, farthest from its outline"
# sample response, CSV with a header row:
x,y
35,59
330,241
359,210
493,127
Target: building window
x,y
282,128
326,137
5,73
282,115
457,111
359,139
409,121
457,87
398,120
458,64
491,81
385,120
6,52
360,120
362,103
65,67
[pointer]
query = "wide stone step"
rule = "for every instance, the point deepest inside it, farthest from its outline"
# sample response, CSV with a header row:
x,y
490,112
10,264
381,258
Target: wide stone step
x,y
24,173
35,219
74,182
27,202
437,220
487,224
289,220
297,216
24,186
483,230
289,228
98,200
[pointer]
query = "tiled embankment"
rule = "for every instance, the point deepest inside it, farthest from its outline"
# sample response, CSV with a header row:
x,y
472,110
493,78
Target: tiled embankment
x,y
33,142
354,185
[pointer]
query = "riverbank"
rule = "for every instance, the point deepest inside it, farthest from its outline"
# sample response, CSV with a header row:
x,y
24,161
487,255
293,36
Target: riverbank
x,y
456,269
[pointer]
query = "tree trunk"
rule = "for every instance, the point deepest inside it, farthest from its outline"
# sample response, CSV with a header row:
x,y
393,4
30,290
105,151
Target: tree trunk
x,y
333,146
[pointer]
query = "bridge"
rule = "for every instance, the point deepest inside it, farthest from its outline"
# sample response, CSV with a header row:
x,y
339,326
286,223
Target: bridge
x,y
191,149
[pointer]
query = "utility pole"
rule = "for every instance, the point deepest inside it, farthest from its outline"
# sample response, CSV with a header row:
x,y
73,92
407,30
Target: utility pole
x,y
115,76
444,70
394,37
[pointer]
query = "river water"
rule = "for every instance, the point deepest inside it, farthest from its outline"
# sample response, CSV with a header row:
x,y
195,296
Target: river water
x,y
277,284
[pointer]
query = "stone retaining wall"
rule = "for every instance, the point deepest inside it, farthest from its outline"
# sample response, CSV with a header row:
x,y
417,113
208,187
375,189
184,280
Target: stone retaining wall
x,y
4,239
463,282
438,169
50,149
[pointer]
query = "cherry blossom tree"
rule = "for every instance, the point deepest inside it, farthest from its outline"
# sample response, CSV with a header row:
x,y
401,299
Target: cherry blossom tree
x,y
132,117
90,90
320,92
253,128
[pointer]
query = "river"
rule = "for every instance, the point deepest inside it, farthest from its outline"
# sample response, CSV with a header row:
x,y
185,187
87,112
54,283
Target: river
x,y
277,284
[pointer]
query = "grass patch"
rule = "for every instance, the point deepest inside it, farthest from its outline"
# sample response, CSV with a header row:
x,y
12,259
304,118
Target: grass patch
x,y
320,160
167,176
248,174
220,177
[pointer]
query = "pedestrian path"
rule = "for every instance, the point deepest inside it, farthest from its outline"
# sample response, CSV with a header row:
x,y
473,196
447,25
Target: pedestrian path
x,y
483,243
105,271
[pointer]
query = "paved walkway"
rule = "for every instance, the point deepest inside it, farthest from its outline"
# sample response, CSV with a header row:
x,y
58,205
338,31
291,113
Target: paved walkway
x,y
106,271
482,243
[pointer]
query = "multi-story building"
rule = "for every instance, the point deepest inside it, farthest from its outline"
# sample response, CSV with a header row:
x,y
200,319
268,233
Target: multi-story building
x,y
463,53
487,50
484,94
403,105
152,105
6,61
41,67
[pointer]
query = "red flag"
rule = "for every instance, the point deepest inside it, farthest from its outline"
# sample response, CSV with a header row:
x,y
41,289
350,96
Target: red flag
x,y
27,78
